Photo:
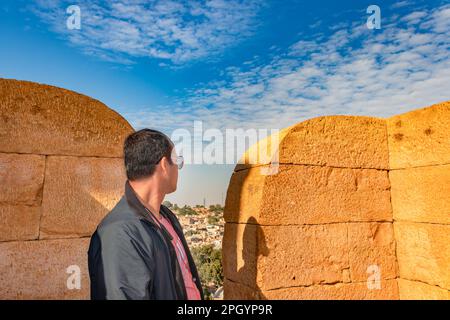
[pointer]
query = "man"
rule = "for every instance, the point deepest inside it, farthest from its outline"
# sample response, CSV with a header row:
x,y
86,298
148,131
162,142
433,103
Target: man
x,y
139,251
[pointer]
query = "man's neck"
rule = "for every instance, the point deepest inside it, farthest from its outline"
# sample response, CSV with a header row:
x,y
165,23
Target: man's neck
x,y
149,195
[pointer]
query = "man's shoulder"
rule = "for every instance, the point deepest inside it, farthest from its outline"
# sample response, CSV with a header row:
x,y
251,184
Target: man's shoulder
x,y
119,228
119,218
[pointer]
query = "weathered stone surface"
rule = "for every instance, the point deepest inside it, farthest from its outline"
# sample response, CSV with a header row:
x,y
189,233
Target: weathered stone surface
x,y
323,219
19,222
314,195
244,195
337,141
38,269
423,252
60,160
42,119
309,195
371,249
421,194
302,255
307,255
339,291
78,193
420,137
414,290
21,178
236,291
239,259
263,152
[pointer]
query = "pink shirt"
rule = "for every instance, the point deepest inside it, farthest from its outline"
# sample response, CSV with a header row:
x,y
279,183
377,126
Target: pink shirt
x,y
191,288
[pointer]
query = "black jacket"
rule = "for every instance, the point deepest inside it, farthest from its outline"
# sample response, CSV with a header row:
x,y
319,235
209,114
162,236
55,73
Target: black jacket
x,y
131,257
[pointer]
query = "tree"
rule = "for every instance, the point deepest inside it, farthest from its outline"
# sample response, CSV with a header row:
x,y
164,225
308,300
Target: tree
x,y
187,211
168,204
216,208
213,220
209,264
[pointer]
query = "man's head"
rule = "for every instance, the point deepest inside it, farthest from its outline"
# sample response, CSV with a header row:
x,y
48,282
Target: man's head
x,y
149,154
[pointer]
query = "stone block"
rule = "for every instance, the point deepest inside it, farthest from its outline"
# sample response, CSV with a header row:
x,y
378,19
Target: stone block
x,y
420,137
423,252
309,195
415,290
21,179
78,193
42,119
39,269
19,222
421,194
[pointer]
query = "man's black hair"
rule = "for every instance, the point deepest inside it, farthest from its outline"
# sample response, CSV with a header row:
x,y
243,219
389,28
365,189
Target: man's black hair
x,y
143,150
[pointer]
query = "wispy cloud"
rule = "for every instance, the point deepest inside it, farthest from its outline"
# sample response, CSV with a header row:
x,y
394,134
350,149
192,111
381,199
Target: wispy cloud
x,y
400,4
357,71
173,31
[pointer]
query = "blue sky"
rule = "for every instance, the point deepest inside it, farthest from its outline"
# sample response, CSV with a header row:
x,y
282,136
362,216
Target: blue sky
x,y
232,64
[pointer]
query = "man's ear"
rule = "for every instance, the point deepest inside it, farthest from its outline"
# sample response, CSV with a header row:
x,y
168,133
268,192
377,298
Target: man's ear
x,y
165,164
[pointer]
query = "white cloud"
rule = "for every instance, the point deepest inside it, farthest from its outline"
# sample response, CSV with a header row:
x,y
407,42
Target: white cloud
x,y
400,4
354,70
175,31
401,67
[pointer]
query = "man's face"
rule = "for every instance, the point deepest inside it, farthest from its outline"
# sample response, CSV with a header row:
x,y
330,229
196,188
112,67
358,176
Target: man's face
x,y
172,173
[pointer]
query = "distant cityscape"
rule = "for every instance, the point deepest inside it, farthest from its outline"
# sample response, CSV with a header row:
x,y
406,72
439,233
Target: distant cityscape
x,y
201,225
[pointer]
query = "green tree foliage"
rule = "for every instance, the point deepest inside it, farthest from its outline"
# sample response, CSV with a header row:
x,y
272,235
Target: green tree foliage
x,y
209,264
216,208
187,211
168,204
213,220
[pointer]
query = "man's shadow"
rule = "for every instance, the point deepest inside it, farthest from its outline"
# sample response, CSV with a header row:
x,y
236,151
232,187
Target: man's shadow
x,y
254,247
245,248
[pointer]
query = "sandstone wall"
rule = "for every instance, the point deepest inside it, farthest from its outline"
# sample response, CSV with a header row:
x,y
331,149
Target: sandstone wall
x,y
345,204
313,228
60,172
419,148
